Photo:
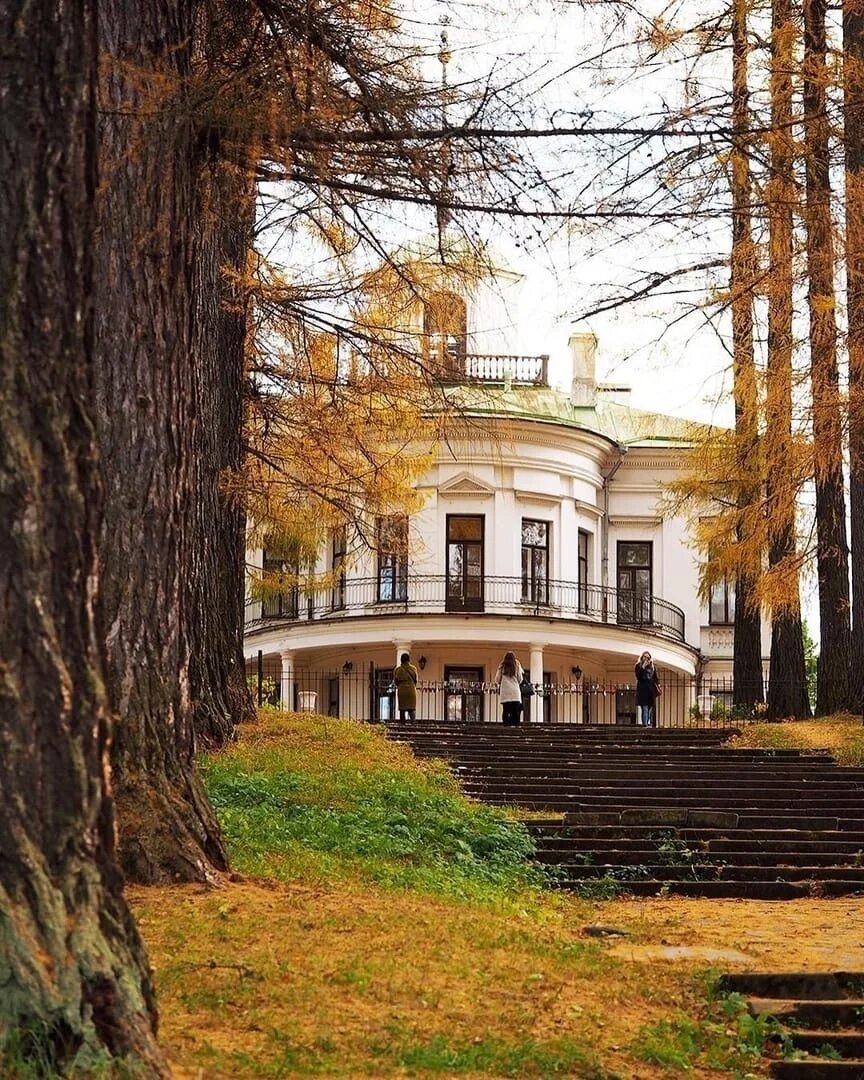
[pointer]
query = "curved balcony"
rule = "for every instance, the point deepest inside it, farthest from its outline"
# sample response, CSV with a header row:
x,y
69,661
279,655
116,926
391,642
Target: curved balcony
x,y
433,594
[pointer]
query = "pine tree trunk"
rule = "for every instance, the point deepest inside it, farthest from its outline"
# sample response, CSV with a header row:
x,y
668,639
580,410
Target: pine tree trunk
x,y
75,979
747,649
220,695
787,689
150,434
835,655
853,121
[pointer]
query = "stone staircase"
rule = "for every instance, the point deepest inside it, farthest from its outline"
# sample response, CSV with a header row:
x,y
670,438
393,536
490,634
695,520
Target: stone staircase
x,y
822,1016
648,810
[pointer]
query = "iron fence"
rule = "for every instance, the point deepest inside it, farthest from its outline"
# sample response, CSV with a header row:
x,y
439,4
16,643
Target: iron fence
x,y
370,695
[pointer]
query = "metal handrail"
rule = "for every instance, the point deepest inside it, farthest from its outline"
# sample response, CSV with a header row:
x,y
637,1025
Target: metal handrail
x,y
429,594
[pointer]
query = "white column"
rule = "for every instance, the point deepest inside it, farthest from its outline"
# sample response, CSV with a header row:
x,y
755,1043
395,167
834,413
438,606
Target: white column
x,y
286,696
401,646
536,674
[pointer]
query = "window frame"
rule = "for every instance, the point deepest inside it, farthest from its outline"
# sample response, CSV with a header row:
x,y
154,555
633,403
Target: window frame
x,y
728,587
530,594
392,566
582,568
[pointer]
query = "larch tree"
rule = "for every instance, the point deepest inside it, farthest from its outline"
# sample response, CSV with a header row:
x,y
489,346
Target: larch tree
x,y
151,371
853,142
787,690
747,684
832,555
76,986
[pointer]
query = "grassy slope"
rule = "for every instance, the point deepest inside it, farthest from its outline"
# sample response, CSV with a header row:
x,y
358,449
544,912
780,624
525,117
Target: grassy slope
x,y
385,926
842,735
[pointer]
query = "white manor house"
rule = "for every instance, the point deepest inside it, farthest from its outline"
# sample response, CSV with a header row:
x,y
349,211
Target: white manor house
x,y
542,531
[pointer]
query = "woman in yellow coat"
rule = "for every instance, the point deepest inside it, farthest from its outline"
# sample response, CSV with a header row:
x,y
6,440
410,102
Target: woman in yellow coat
x,y
405,677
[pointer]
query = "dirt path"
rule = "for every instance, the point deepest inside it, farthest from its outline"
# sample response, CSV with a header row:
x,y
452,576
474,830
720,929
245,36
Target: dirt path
x,y
783,936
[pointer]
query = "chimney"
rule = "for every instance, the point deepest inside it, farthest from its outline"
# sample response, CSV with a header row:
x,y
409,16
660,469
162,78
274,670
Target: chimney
x,y
583,390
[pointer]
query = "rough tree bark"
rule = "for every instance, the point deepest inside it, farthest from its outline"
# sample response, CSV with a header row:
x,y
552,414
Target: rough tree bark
x,y
747,648
787,688
74,979
832,556
219,691
853,137
150,434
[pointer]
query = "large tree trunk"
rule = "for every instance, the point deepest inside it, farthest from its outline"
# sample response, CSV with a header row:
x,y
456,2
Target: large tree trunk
x,y
150,434
75,980
832,556
787,689
220,695
747,648
853,122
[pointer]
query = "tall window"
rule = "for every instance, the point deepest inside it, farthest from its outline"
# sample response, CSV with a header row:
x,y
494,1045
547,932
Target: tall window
x,y
582,553
393,557
337,593
283,603
465,561
445,332
721,608
635,584
535,561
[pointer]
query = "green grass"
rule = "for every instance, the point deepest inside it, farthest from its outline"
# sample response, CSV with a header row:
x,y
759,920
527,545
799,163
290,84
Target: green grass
x,y
726,1037
33,1053
384,817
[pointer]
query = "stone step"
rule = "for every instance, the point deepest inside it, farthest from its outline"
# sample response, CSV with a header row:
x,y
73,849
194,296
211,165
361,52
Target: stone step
x,y
667,774
649,854
663,871
797,985
683,790
753,804
712,840
826,1015
721,890
814,1069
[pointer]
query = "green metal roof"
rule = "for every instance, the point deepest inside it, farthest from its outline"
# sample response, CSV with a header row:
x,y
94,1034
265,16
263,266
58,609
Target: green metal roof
x,y
613,420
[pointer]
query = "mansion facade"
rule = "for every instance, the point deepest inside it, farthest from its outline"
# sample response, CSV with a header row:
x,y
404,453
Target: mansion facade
x,y
542,531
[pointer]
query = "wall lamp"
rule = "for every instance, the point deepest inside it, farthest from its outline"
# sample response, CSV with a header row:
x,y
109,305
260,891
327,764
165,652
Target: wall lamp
x,y
422,663
347,667
576,672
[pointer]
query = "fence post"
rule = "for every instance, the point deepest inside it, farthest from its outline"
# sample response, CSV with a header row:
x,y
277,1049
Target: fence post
x,y
260,678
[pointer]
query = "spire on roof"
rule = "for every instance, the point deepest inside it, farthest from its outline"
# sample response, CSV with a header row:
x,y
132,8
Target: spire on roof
x,y
442,212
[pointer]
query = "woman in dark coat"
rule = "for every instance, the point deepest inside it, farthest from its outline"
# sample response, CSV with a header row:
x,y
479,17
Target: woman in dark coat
x,y
647,690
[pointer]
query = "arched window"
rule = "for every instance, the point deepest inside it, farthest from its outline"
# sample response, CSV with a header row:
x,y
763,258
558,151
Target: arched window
x,y
445,332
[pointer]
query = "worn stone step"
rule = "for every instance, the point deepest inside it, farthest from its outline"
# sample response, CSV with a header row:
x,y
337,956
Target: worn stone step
x,y
849,1044
827,1015
705,839
797,985
639,856
716,890
813,1069
663,871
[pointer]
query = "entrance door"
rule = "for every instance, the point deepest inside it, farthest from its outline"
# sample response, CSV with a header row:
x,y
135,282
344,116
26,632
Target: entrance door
x,y
463,697
634,583
465,562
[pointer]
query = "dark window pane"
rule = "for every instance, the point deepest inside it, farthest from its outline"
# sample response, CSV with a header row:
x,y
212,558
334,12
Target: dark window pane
x,y
465,528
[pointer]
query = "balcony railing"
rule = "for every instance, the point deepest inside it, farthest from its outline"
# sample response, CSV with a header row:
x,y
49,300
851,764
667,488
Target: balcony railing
x,y
431,594
495,368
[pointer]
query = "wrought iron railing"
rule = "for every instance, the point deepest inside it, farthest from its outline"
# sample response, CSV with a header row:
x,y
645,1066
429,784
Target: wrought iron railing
x,y
435,593
365,692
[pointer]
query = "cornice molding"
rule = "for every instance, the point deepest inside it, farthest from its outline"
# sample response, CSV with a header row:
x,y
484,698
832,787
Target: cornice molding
x,y
642,521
